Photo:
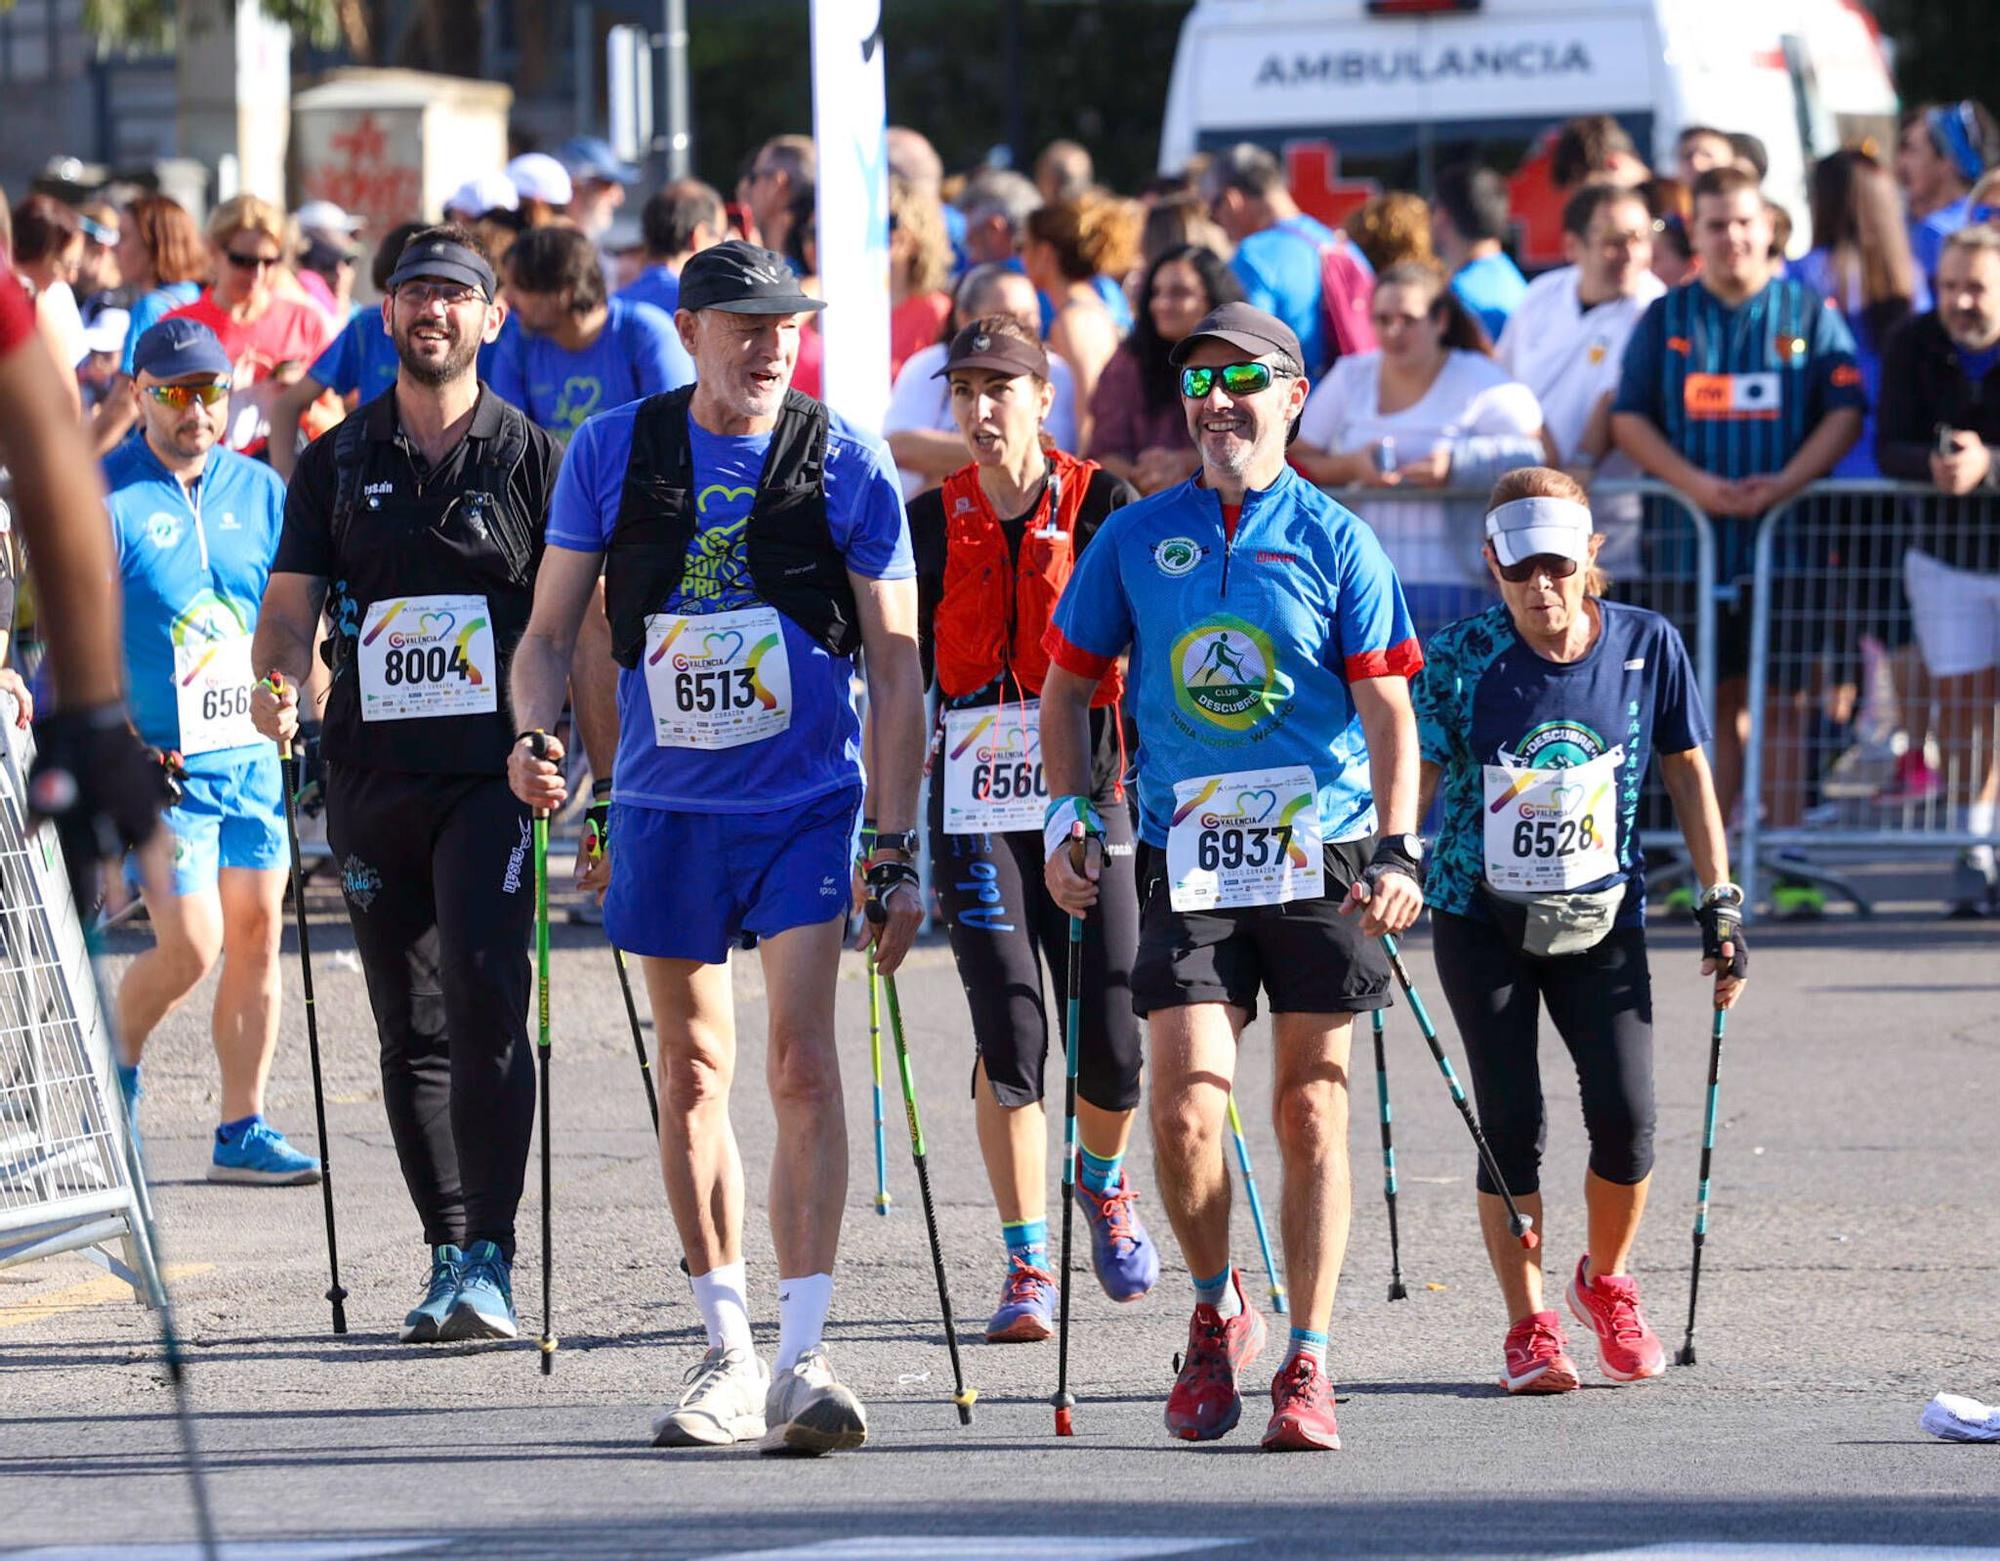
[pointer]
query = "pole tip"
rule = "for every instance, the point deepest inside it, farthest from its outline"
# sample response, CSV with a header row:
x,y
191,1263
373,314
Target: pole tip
x,y
882,1203
547,1346
1684,1356
1398,1292
1065,1424
1530,1240
1278,1299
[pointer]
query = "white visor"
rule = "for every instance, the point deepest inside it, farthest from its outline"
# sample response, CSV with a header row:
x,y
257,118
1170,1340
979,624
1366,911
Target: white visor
x,y
1527,528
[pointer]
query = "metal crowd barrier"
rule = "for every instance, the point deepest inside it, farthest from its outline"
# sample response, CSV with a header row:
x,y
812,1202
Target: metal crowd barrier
x,y
1875,626
1659,551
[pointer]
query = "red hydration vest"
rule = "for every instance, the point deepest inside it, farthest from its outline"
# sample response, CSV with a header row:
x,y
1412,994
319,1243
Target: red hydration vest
x,y
993,615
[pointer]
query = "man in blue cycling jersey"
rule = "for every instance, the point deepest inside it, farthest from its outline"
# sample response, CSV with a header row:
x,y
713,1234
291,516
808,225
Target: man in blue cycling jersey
x,y
1271,652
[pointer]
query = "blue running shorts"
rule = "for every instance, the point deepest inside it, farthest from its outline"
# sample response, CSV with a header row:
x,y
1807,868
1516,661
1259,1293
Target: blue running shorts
x,y
232,817
688,885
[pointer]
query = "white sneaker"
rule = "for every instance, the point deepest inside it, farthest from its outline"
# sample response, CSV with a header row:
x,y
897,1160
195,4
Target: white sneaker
x,y
807,1411
724,1402
1959,1419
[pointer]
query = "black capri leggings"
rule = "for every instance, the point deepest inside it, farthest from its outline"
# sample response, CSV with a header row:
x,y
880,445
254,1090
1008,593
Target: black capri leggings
x,y
1602,1003
1003,925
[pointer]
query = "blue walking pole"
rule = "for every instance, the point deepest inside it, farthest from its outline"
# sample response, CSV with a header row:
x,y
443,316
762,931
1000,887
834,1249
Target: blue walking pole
x,y
1256,1208
1520,1224
1397,1290
1684,1356
882,1198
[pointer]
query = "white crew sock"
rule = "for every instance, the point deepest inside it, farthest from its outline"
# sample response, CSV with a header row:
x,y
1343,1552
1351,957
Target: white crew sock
x,y
802,1307
724,1313
1979,821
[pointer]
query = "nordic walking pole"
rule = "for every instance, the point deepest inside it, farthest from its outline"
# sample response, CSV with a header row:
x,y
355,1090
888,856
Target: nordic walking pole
x,y
1065,1401
538,745
593,846
1256,1207
289,769
1520,1224
1397,1290
964,1396
882,1198
1684,1356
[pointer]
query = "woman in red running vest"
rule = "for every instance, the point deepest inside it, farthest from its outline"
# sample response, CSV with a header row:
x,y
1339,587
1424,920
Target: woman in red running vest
x,y
994,547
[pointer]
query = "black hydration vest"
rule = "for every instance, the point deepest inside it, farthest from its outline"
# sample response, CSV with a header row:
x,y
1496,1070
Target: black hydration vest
x,y
794,565
460,538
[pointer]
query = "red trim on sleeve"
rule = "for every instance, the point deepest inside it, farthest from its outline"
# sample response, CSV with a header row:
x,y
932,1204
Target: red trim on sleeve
x,y
17,312
1074,658
1404,660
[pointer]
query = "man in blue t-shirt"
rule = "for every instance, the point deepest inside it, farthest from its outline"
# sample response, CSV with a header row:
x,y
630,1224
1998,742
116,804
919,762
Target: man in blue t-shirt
x,y
752,543
678,222
1277,246
567,352
1270,656
1468,222
195,527
1739,388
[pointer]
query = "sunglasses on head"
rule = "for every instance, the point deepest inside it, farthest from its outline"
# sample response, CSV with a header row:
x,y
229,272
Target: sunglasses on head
x,y
249,262
181,397
1551,564
1238,379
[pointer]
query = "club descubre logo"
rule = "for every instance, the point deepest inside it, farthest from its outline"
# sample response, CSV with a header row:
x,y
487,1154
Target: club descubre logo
x,y
1177,556
1226,674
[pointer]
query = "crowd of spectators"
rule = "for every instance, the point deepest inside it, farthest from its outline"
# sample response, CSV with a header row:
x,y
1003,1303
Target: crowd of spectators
x,y
1680,342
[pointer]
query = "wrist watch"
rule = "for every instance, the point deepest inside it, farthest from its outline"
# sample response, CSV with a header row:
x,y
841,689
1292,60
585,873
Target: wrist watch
x,y
1723,893
905,842
1409,847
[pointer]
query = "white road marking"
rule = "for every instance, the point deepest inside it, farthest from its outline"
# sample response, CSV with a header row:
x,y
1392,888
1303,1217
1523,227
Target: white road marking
x,y
977,1547
235,1550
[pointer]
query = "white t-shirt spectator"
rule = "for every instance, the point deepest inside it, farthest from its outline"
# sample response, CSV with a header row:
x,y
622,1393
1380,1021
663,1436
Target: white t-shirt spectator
x,y
1569,356
919,402
1429,541
56,305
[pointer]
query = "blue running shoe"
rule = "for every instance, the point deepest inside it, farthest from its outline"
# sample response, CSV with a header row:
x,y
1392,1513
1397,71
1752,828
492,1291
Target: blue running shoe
x,y
260,1157
485,1305
1027,1305
425,1322
1123,1255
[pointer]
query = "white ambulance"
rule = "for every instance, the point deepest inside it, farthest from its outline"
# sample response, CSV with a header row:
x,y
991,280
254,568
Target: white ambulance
x,y
1360,96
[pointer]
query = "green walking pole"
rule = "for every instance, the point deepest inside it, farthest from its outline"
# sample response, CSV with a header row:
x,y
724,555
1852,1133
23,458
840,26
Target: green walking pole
x,y
1256,1208
882,1198
1685,1356
538,744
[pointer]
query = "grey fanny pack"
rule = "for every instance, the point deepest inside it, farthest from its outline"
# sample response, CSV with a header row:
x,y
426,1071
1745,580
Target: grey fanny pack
x,y
1547,926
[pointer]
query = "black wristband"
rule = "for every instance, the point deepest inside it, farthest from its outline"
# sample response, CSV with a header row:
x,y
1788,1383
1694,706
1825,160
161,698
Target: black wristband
x,y
600,791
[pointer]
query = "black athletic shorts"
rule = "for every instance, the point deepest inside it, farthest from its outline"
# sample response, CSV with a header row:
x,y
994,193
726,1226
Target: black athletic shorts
x,y
1306,956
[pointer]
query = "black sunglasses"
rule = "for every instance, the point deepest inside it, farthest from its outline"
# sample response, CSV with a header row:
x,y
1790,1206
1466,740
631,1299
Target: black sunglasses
x,y
1553,565
249,262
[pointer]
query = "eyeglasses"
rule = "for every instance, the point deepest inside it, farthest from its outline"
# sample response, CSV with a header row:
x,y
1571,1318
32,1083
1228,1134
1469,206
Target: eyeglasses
x,y
1553,565
181,397
249,262
1238,379
452,295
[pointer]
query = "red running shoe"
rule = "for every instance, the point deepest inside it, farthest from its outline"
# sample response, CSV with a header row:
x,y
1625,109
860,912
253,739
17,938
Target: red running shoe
x,y
1301,1410
1538,1357
1204,1403
1626,1346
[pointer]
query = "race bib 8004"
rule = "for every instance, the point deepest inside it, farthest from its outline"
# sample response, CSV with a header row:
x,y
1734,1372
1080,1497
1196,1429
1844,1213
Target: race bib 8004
x,y
425,656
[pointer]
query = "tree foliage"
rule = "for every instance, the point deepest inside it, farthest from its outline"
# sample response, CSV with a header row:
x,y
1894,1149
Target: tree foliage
x,y
1945,49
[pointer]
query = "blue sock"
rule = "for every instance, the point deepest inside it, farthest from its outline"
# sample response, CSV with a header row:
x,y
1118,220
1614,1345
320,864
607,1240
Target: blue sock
x,y
229,1132
1100,1174
1307,1342
1028,1240
128,1080
1218,1293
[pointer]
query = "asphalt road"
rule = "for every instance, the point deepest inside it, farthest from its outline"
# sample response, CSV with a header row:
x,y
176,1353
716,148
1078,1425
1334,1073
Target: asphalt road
x,y
1851,1273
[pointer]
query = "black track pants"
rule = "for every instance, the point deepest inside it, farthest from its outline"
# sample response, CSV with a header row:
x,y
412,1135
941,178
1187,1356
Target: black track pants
x,y
439,875
1602,1003
1003,926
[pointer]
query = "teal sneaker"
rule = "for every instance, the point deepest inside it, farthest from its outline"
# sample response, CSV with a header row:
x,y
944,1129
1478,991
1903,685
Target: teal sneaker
x,y
425,1322
485,1305
257,1155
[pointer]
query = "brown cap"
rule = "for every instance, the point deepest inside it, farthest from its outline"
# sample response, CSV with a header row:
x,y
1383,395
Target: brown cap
x,y
1256,332
973,348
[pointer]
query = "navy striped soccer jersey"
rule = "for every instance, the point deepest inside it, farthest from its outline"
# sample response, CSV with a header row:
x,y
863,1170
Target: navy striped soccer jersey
x,y
1737,390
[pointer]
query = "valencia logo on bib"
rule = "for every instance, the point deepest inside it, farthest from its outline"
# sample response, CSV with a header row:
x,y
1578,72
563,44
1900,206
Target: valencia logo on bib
x,y
1226,673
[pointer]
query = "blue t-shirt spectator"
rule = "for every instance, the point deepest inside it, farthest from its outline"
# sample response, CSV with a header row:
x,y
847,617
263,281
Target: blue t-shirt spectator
x,y
362,359
1927,235
819,752
656,285
1279,267
151,308
637,354
1492,287
1872,325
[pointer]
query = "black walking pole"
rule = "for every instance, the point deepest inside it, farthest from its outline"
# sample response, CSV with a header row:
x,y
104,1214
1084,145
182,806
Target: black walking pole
x,y
1065,1401
1397,1290
1685,1355
289,769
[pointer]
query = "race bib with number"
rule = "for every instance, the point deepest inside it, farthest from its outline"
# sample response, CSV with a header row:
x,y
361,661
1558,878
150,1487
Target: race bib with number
x,y
718,680
1549,831
994,782
212,683
1251,838
425,656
